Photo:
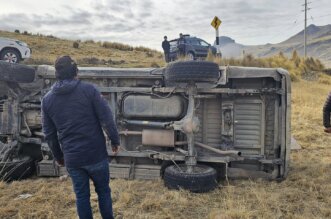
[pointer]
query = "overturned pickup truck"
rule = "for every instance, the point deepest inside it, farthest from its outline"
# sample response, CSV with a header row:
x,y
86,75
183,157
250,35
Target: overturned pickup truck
x,y
191,123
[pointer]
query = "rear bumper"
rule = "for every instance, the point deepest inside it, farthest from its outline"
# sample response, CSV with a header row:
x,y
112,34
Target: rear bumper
x,y
26,53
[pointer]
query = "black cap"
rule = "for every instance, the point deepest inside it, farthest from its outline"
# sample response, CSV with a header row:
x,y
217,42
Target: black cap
x,y
65,68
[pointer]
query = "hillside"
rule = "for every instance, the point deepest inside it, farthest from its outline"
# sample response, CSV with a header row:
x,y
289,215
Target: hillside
x,y
318,45
45,49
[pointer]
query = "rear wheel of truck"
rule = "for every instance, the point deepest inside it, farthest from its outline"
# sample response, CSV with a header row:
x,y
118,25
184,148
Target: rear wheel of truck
x,y
16,73
197,71
190,56
17,170
202,179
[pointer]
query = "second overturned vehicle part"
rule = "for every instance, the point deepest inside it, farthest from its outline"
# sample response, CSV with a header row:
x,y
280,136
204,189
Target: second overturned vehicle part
x,y
192,123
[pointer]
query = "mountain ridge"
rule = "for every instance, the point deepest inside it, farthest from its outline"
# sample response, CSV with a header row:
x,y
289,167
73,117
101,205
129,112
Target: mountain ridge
x,y
318,45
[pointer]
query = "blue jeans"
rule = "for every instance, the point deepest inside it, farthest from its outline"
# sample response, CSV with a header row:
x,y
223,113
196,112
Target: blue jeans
x,y
99,173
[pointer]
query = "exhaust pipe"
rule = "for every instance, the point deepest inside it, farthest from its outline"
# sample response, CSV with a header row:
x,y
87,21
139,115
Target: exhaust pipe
x,y
229,152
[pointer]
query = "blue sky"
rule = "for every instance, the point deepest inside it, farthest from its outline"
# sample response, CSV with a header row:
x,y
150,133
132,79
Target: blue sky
x,y
145,22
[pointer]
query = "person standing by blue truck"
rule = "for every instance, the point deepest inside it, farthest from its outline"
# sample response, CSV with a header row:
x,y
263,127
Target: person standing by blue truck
x,y
74,115
326,114
181,45
166,49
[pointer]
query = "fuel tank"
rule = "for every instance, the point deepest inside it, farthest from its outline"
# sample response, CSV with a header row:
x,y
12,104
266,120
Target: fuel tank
x,y
149,106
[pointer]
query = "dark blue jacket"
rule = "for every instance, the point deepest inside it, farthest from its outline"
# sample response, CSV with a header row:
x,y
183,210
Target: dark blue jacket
x,y
166,46
73,115
327,111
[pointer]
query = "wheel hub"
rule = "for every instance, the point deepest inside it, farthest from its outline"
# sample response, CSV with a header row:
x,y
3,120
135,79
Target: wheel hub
x,y
10,57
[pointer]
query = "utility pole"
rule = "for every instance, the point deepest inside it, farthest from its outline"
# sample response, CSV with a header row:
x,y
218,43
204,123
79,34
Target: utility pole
x,y
305,32
305,28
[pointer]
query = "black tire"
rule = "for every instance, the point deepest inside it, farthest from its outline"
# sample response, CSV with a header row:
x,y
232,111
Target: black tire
x,y
190,56
17,170
197,71
203,178
16,73
10,55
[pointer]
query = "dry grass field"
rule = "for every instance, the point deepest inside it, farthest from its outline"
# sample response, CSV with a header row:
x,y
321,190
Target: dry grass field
x,y
306,193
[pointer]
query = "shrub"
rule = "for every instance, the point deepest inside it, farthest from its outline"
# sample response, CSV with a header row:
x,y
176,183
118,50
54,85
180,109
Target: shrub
x,y
119,46
143,49
17,31
295,58
51,36
125,47
75,45
99,43
155,65
91,61
149,54
89,41
298,67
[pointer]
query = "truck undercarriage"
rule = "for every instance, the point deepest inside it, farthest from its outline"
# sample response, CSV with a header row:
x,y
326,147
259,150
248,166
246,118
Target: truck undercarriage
x,y
191,123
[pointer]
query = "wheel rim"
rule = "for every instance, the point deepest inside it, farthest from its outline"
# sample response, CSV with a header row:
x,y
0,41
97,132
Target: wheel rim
x,y
190,56
196,169
10,57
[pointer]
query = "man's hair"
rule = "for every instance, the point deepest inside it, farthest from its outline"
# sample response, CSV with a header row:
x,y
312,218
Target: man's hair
x,y
165,37
65,68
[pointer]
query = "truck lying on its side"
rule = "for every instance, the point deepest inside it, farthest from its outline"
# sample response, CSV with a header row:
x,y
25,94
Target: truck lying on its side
x,y
192,123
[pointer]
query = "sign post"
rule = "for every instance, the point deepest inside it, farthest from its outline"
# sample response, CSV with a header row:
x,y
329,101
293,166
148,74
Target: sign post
x,y
216,22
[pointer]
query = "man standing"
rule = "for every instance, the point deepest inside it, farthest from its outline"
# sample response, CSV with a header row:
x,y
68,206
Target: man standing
x,y
181,45
74,115
326,114
166,49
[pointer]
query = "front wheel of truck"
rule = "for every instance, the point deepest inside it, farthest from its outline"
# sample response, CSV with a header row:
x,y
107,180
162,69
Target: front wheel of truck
x,y
203,178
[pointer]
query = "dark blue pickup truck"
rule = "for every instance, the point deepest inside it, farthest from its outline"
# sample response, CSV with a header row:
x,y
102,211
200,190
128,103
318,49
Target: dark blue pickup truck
x,y
194,48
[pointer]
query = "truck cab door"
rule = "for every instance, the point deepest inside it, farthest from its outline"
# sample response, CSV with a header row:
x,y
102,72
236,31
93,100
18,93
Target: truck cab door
x,y
203,48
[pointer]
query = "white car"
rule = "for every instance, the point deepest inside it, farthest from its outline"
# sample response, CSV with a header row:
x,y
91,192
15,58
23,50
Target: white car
x,y
13,51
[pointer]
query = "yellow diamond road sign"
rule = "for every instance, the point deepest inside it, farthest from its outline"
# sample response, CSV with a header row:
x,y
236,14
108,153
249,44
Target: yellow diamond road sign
x,y
216,22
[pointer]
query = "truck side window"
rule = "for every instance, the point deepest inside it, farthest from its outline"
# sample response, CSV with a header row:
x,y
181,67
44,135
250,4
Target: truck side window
x,y
195,42
203,43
